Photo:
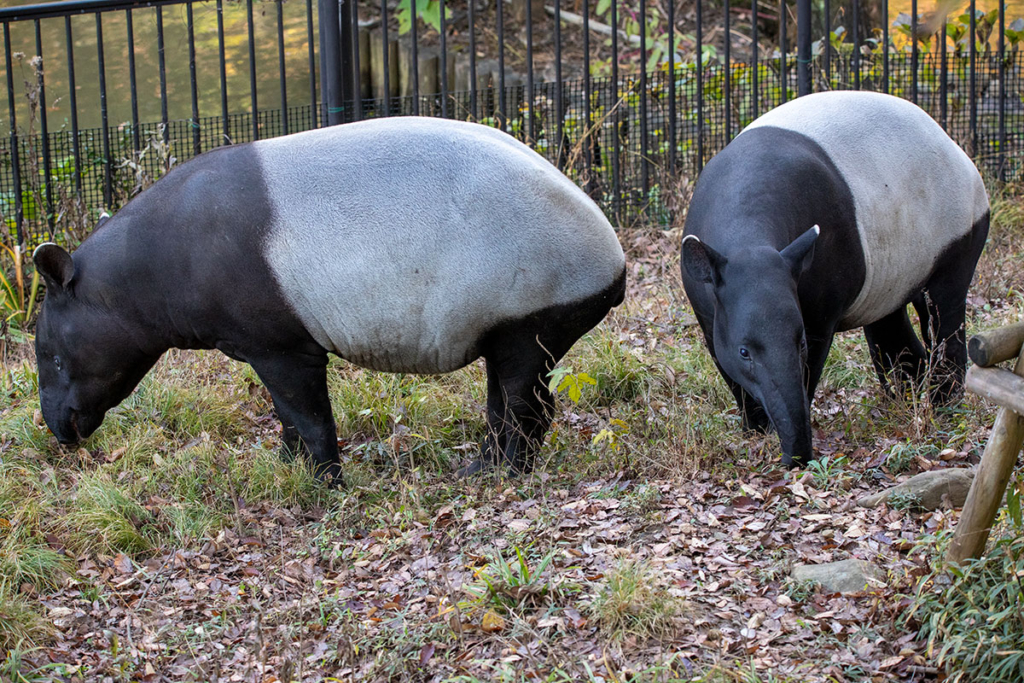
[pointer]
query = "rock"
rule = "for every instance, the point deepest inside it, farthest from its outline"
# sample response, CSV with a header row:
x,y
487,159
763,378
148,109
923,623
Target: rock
x,y
847,576
928,490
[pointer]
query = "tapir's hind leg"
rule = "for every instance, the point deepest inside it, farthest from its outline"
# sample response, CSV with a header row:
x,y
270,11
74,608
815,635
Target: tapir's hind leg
x,y
946,297
519,356
896,352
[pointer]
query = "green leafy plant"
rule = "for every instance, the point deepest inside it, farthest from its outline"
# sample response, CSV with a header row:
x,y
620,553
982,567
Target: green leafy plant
x,y
17,301
972,614
505,584
828,472
427,10
564,379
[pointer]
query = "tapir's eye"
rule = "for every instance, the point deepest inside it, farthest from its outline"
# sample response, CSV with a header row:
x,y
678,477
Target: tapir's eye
x,y
744,353
56,362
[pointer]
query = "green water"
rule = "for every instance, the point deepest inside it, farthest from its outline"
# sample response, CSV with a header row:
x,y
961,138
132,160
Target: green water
x,y
115,42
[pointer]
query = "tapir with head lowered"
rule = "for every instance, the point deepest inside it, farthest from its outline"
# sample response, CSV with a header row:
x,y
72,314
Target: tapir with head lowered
x,y
832,212
403,245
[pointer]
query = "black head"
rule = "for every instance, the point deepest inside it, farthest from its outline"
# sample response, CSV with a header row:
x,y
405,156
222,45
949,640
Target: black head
x,y
87,355
759,338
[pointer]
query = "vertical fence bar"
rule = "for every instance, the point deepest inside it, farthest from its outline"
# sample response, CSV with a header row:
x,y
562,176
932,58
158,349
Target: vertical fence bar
x,y
972,95
855,31
252,71
913,51
588,133
700,86
530,127
73,102
885,46
44,129
444,60
803,47
753,60
644,170
15,153
225,122
616,138
281,67
472,56
1002,91
310,44
352,23
727,65
132,82
826,47
384,55
197,142
944,82
559,106
503,116
104,122
331,86
671,86
416,60
783,66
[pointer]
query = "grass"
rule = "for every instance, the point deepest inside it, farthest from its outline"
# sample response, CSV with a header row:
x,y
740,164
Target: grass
x,y
193,453
633,604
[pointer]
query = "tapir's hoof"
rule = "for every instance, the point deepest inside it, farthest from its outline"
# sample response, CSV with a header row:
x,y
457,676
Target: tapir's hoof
x,y
330,474
478,466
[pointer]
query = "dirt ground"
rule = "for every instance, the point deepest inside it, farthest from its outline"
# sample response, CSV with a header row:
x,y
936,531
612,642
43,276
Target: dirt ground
x,y
654,542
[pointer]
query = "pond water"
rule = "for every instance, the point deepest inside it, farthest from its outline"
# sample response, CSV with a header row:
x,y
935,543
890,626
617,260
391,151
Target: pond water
x,y
115,42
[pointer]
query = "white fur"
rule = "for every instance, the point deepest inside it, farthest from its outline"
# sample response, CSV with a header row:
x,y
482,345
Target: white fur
x,y
399,242
915,191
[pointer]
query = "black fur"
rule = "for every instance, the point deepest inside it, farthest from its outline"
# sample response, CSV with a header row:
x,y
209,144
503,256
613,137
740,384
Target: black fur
x,y
770,328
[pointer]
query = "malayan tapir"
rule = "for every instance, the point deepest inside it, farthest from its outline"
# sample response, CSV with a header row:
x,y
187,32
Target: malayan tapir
x,y
832,212
408,245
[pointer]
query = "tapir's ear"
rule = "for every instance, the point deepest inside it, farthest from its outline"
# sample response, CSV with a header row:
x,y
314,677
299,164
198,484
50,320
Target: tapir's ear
x,y
800,251
55,265
700,260
104,217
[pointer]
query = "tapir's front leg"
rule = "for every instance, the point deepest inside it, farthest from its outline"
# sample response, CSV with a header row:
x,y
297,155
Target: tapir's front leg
x,y
298,385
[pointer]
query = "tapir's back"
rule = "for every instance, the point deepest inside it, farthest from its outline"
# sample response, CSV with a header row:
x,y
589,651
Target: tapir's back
x,y
915,191
400,242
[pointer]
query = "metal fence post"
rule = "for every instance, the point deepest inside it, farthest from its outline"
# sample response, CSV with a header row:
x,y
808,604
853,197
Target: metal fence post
x,y
803,47
330,61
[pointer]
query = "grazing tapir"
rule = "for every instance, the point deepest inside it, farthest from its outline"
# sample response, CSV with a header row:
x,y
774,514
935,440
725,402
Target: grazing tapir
x,y
403,245
829,213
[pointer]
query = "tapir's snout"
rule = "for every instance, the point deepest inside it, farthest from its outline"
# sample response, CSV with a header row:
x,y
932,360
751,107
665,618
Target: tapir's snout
x,y
70,426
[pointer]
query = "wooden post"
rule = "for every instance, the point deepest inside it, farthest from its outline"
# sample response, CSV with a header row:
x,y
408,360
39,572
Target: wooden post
x,y
994,472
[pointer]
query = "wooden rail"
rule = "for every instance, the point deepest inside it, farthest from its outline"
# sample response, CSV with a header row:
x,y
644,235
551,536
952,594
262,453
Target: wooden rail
x,y
1005,389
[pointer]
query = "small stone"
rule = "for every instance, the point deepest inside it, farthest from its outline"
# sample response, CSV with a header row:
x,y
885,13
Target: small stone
x,y
846,576
928,490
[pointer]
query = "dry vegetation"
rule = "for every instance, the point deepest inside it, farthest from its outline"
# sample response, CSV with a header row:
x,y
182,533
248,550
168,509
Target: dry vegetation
x,y
653,543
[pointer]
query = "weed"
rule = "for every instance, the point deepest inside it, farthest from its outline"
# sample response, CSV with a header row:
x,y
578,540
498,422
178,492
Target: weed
x,y
903,500
799,591
642,500
632,603
829,472
506,585
972,614
20,623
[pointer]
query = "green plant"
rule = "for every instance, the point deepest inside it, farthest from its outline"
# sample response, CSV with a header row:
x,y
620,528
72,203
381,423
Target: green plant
x,y
972,614
632,603
17,302
829,472
507,584
564,379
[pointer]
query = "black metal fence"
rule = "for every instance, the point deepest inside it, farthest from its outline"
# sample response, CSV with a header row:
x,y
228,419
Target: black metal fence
x,y
626,96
